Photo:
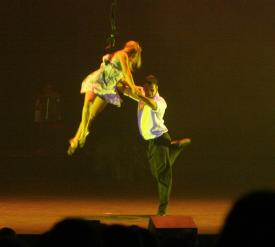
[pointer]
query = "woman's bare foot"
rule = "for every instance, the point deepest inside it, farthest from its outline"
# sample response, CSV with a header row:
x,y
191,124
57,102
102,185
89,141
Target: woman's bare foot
x,y
72,147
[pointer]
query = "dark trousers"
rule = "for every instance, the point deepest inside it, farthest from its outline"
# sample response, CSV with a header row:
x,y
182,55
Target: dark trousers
x,y
161,156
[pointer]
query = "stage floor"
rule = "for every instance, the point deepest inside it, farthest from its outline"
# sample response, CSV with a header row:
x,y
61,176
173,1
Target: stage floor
x,y
35,215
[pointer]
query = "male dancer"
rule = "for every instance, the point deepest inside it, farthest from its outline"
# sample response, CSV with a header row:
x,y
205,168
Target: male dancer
x,y
162,151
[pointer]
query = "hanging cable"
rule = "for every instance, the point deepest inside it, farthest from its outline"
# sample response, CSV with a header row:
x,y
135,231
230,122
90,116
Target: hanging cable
x,y
111,40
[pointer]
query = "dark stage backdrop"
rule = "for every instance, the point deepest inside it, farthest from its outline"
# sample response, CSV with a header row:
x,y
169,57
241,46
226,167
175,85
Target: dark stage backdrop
x,y
215,61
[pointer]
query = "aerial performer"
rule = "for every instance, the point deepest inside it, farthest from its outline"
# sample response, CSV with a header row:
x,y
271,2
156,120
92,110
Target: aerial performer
x,y
101,87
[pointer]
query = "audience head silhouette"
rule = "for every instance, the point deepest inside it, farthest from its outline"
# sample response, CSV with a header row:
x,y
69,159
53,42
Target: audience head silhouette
x,y
72,232
251,221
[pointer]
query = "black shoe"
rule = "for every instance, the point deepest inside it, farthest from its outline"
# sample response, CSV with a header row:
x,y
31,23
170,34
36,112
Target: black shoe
x,y
161,213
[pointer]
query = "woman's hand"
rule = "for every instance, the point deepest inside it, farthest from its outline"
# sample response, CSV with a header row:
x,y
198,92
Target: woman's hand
x,y
139,90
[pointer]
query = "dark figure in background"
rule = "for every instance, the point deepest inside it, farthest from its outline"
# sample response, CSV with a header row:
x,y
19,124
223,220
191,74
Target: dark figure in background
x,y
162,151
48,105
48,120
251,221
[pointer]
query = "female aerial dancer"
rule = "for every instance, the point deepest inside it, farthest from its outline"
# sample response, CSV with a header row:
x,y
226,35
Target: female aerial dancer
x,y
101,87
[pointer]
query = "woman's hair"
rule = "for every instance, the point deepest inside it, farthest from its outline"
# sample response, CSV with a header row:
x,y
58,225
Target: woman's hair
x,y
133,50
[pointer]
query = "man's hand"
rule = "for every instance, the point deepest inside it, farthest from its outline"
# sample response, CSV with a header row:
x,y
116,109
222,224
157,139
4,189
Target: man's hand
x,y
132,92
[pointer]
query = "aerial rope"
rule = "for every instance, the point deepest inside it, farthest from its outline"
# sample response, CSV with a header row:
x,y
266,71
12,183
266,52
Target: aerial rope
x,y
111,40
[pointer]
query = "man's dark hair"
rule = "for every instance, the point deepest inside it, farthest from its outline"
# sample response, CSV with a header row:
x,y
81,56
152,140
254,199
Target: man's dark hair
x,y
151,80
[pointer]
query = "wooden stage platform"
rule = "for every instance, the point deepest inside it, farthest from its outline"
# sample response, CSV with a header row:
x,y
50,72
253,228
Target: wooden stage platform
x,y
36,214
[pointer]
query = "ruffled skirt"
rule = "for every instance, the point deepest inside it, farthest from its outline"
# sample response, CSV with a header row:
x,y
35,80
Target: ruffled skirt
x,y
95,82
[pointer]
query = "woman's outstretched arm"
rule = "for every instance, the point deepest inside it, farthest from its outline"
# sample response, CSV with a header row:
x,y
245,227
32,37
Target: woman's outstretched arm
x,y
128,78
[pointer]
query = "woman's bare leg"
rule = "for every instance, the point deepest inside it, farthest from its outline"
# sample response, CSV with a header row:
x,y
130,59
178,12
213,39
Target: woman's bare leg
x,y
88,100
95,108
